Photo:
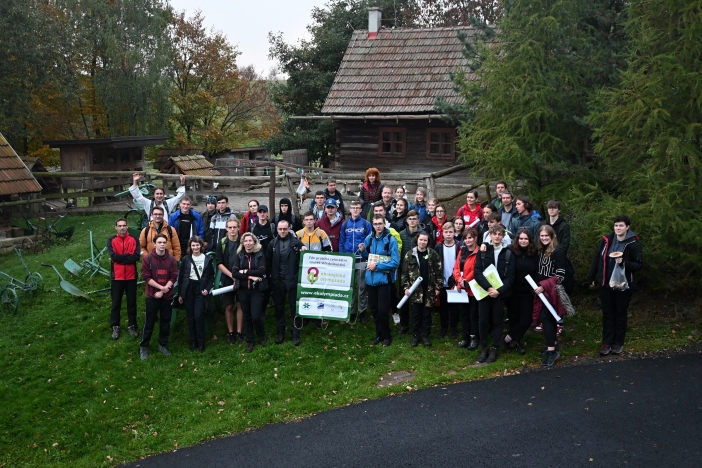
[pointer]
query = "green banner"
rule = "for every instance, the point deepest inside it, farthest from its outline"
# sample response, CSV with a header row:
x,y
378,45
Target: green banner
x,y
326,285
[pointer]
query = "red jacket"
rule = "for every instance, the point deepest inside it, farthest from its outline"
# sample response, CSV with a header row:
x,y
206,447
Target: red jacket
x,y
247,222
468,271
160,269
469,216
439,229
549,285
124,253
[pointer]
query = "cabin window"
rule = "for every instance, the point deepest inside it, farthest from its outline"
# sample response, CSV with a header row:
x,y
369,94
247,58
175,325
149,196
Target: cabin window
x,y
392,142
441,143
124,157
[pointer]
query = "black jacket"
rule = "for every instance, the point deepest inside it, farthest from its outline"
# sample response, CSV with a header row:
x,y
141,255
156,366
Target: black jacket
x,y
292,266
255,264
504,267
226,253
633,260
524,265
206,280
562,230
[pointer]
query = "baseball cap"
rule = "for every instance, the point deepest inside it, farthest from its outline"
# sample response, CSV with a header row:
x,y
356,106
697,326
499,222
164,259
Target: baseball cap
x,y
331,202
263,208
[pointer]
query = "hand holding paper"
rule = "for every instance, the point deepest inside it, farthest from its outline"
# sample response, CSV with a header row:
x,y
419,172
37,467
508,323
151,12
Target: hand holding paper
x,y
548,305
411,290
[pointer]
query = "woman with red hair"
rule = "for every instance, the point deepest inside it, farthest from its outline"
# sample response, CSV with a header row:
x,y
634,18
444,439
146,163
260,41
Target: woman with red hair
x,y
371,190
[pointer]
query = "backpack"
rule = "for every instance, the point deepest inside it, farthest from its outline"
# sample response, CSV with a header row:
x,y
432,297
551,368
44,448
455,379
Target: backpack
x,y
169,232
508,256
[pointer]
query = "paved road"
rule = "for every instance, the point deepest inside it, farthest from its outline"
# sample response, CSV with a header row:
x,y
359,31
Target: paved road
x,y
636,413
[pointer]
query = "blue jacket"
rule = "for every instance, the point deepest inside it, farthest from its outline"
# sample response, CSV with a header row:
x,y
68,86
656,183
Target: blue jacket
x,y
174,221
385,271
353,233
421,209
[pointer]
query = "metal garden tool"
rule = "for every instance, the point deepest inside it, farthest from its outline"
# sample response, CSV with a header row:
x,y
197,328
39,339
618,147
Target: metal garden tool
x,y
8,294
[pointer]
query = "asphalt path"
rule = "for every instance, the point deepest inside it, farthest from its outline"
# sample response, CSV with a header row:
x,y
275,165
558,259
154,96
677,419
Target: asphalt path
x,y
639,413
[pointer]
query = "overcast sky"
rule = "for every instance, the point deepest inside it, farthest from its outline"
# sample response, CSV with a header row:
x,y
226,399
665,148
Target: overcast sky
x,y
247,23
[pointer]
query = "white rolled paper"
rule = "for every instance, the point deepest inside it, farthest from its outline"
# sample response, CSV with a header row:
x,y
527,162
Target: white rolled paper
x,y
226,289
474,223
543,298
411,290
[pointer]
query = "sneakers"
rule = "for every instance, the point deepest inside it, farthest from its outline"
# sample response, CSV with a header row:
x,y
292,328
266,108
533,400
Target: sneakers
x,y
605,349
442,333
165,351
376,341
463,344
249,347
240,336
231,339
414,342
425,341
115,332
559,330
550,358
493,355
387,342
520,348
617,349
483,355
143,353
539,328
473,343
133,331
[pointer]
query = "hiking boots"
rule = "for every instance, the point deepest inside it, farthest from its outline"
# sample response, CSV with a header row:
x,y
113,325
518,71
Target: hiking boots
x,y
493,355
165,351
143,352
133,331
115,332
249,347
425,341
414,342
520,348
483,355
296,340
376,341
605,349
280,338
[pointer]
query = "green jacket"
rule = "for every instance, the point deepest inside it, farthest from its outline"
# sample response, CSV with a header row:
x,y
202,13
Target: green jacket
x,y
410,273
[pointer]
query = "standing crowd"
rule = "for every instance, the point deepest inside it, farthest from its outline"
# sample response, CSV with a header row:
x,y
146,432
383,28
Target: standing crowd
x,y
500,255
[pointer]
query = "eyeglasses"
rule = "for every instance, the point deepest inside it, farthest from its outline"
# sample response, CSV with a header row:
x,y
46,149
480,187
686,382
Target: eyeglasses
x,y
440,211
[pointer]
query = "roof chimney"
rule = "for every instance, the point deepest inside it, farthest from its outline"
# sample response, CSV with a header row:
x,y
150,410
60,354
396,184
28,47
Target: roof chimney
x,y
374,16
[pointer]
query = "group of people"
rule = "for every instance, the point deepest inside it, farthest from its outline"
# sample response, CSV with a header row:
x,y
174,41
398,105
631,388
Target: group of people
x,y
488,251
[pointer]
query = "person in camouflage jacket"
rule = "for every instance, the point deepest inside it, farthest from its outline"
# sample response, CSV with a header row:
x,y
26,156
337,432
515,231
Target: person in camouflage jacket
x,y
424,262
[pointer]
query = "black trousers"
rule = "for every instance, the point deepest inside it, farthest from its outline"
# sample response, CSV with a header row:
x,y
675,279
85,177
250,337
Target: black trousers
x,y
519,308
469,319
379,303
448,313
195,309
421,319
252,306
491,312
157,309
280,294
118,289
615,305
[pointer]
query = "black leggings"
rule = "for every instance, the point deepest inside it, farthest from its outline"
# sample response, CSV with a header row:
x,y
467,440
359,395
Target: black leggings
x,y
252,306
549,323
195,309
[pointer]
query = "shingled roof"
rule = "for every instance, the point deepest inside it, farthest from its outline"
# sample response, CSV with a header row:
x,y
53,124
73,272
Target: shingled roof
x,y
15,178
402,71
189,165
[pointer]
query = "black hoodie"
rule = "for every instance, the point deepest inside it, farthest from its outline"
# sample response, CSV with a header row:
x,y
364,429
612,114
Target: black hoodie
x,y
295,223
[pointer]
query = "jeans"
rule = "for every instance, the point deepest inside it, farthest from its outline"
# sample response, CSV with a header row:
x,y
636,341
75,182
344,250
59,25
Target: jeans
x,y
469,319
490,312
519,308
195,308
118,289
280,293
252,305
615,305
379,303
154,308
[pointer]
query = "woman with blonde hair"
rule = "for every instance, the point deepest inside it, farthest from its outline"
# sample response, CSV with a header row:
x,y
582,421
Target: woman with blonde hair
x,y
249,269
195,278
371,190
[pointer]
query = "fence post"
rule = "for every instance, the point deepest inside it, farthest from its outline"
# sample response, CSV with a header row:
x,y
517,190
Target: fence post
x,y
431,186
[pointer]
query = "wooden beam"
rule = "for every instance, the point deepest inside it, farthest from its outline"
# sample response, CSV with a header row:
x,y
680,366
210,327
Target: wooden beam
x,y
450,170
271,194
22,202
293,196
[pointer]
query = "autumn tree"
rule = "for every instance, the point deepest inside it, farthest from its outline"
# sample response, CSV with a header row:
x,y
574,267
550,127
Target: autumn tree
x,y
216,104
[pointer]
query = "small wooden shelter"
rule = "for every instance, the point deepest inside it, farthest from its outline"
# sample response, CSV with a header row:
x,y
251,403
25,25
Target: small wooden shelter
x,y
193,165
16,180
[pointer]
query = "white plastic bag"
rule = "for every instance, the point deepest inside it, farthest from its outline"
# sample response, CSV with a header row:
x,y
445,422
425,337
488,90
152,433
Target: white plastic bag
x,y
618,280
302,189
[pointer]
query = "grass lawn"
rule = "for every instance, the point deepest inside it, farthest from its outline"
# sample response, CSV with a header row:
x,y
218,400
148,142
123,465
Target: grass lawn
x,y
74,397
